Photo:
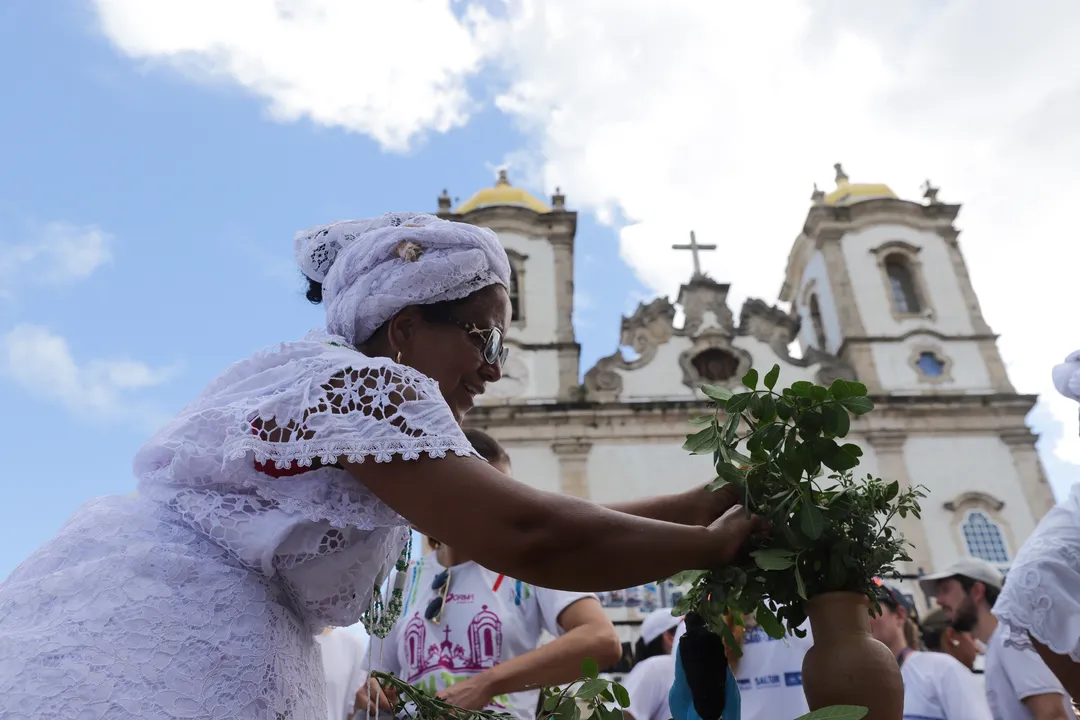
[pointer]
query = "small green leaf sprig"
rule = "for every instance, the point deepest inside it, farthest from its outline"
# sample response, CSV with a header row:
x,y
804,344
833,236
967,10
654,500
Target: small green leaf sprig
x,y
783,450
601,698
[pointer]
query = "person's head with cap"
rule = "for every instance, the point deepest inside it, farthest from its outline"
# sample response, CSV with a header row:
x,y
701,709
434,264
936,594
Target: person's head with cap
x,y
966,591
939,635
657,634
896,625
422,291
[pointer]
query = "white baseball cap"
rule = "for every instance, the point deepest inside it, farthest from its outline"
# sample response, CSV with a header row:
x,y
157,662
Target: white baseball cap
x,y
971,568
657,623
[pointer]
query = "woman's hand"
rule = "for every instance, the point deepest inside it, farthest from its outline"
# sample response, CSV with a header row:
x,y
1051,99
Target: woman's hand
x,y
731,532
471,694
371,699
710,505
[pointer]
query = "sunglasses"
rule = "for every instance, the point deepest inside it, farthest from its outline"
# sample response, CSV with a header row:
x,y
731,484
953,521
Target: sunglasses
x,y
491,340
441,586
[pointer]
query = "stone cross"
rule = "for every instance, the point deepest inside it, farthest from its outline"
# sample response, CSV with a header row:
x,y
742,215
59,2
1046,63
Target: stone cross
x,y
694,249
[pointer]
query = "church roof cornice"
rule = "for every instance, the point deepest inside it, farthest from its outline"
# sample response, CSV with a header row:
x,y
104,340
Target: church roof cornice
x,y
556,225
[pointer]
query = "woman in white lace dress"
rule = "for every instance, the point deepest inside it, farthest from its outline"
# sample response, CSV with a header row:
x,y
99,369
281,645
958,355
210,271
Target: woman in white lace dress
x,y
279,500
1040,603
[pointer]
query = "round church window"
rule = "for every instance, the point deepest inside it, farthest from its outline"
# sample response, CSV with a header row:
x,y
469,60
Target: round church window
x,y
715,365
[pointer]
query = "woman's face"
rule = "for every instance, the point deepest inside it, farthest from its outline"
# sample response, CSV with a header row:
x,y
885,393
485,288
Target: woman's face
x,y
888,626
452,356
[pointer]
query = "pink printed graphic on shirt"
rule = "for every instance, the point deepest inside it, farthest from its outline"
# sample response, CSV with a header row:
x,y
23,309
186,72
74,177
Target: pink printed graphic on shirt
x,y
484,637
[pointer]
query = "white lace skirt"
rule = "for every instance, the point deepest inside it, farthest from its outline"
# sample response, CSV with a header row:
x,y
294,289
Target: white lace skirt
x,y
1042,591
127,613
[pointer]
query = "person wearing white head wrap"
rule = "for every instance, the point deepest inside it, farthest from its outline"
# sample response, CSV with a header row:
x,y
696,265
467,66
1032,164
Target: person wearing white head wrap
x,y
1039,604
277,502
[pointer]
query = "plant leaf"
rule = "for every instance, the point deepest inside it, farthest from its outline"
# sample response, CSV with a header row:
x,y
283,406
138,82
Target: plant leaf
x,y
802,388
892,490
840,389
772,376
766,619
621,696
717,392
702,420
589,668
738,402
859,405
799,585
837,712
717,484
811,521
702,442
773,558
591,688
750,379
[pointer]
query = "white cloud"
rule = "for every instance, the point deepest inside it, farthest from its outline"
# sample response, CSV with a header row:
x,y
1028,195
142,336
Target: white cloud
x,y
58,253
715,117
41,362
391,70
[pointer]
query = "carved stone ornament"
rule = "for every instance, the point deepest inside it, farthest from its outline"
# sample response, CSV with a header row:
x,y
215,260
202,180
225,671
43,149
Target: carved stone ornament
x,y
974,499
710,340
651,325
769,324
701,295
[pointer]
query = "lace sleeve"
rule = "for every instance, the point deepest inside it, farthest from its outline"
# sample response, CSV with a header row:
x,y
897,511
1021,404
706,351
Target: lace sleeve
x,y
1041,597
253,464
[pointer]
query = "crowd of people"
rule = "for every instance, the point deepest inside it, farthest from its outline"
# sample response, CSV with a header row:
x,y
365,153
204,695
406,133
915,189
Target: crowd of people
x,y
281,502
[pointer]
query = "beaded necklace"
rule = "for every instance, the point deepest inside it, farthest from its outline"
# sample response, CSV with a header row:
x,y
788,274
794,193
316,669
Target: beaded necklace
x,y
380,618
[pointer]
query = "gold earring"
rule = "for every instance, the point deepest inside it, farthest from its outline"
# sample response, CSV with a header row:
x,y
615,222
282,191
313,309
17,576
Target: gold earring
x,y
398,358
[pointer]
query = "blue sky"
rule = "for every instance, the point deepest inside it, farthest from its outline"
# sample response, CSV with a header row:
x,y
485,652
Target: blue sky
x,y
200,196
155,167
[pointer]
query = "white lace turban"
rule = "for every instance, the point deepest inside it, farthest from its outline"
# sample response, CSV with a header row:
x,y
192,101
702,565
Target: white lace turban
x,y
1067,376
372,269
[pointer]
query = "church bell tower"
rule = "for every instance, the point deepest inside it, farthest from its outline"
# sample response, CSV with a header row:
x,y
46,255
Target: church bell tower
x,y
539,241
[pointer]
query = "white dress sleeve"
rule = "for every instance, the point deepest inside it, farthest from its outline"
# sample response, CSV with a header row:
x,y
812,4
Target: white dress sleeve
x,y
1041,597
252,464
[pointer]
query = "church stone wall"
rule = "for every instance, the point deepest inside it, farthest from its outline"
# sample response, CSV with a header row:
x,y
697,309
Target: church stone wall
x,y
539,285
947,310
964,473
535,465
963,367
620,471
816,282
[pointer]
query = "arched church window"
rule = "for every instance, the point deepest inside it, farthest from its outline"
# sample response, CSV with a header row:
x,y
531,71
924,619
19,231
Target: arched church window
x,y
515,294
715,365
902,285
815,320
984,538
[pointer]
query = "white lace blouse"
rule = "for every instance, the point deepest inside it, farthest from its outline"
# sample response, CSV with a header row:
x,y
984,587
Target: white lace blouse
x,y
200,597
1042,592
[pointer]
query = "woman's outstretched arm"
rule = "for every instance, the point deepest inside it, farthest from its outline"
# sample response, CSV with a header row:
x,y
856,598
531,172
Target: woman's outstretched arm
x,y
544,538
693,507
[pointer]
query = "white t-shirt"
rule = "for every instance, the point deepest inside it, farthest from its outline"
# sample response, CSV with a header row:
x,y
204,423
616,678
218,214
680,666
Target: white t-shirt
x,y
649,684
938,687
488,619
770,675
343,664
1013,674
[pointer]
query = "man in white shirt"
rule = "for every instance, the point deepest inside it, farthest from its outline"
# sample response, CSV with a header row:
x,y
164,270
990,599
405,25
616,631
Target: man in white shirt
x,y
342,656
651,678
1019,685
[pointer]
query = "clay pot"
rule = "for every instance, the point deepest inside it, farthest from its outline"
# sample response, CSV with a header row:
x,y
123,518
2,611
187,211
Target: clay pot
x,y
846,665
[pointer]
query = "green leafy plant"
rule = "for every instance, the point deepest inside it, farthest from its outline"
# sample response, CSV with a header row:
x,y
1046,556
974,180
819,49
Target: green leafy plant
x,y
589,696
784,453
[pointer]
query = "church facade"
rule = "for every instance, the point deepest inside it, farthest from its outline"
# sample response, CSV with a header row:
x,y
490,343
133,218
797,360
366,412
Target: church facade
x,y
878,291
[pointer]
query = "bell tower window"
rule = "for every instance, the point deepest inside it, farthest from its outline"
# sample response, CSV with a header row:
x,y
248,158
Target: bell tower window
x,y
815,319
515,295
905,297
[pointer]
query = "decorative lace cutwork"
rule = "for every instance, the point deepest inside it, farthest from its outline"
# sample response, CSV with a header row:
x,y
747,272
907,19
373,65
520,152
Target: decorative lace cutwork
x,y
1041,598
200,597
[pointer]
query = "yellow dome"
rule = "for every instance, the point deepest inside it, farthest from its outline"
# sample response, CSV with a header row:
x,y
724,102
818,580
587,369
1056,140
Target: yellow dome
x,y
502,194
847,192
